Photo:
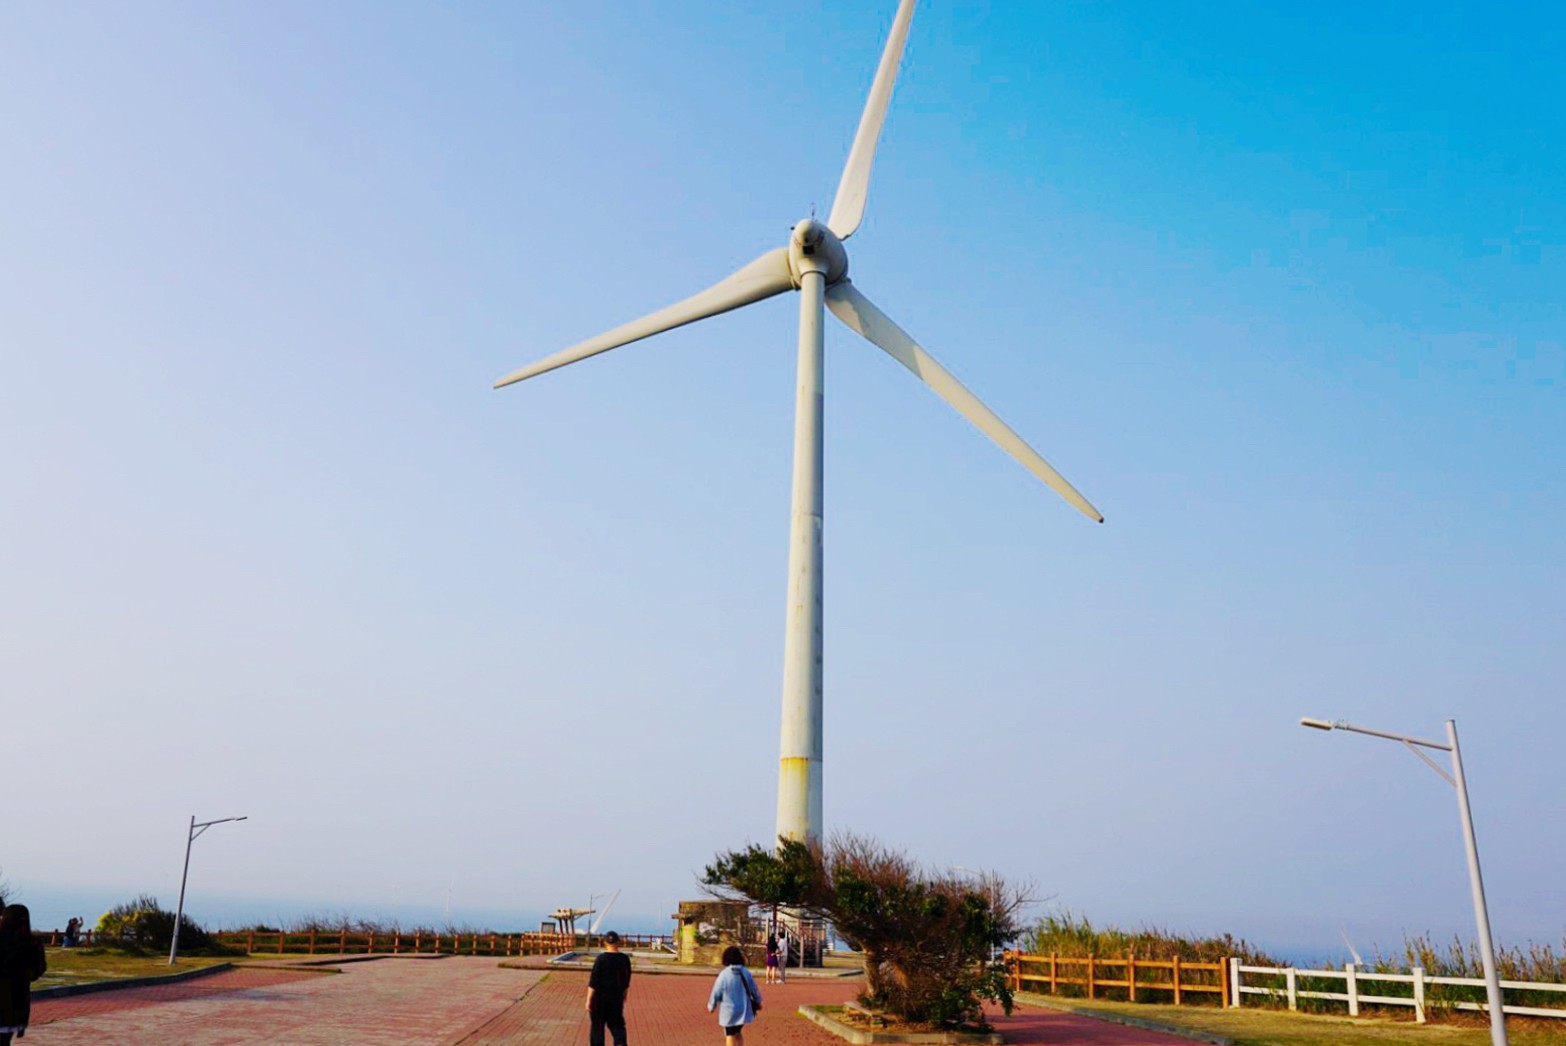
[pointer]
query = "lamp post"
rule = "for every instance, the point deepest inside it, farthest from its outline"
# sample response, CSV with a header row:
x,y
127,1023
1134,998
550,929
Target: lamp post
x,y
1492,982
179,912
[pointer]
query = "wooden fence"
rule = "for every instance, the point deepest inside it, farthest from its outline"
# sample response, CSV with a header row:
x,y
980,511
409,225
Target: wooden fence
x,y
342,942
54,938
1142,980
1354,996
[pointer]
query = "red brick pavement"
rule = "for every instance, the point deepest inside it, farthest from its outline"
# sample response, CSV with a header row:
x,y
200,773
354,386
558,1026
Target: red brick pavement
x,y
472,1002
662,1010
1029,1025
669,1010
391,1002
46,1011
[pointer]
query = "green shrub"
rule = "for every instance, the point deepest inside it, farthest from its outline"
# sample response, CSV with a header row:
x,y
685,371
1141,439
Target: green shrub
x,y
141,925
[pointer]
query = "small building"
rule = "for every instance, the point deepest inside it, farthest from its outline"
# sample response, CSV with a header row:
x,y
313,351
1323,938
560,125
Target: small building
x,y
703,929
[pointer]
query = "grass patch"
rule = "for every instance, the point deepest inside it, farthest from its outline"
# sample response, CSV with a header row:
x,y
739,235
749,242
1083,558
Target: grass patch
x,y
81,965
1280,1028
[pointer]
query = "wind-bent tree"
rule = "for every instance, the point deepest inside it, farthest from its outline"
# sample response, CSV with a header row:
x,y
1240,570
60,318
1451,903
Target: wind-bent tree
x,y
787,878
927,937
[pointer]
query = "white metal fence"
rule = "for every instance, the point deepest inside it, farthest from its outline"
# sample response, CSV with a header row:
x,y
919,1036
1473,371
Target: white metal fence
x,y
1354,980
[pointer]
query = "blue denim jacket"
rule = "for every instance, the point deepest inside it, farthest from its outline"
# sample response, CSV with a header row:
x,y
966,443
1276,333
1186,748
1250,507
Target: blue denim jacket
x,y
729,998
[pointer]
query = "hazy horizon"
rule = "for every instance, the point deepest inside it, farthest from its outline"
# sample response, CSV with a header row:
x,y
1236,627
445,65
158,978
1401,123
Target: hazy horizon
x,y
232,913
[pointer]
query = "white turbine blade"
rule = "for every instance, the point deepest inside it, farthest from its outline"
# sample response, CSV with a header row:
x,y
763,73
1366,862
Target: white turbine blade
x,y
861,315
848,208
766,276
603,914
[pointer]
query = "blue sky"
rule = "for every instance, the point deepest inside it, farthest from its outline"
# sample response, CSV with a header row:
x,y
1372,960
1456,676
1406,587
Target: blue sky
x,y
1279,290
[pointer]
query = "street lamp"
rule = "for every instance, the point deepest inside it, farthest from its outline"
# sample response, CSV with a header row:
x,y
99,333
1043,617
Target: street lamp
x,y
1492,983
179,912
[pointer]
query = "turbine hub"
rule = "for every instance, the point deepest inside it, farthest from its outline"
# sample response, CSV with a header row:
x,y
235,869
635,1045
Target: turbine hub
x,y
812,247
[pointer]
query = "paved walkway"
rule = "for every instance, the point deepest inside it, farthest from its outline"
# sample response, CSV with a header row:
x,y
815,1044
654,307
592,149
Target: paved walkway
x,y
471,1002
663,1010
390,1002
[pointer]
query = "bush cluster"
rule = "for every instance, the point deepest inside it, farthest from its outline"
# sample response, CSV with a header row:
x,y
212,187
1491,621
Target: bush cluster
x,y
329,923
928,937
142,925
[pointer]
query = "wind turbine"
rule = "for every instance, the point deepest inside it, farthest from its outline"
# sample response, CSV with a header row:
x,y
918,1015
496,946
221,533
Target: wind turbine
x,y
603,914
815,264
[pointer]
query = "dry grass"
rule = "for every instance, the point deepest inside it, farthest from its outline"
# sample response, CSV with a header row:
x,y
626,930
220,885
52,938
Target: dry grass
x,y
1281,1028
1067,934
1529,962
81,965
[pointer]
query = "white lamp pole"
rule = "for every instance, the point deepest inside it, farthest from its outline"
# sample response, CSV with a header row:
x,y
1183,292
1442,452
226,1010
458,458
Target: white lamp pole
x,y
179,912
1492,982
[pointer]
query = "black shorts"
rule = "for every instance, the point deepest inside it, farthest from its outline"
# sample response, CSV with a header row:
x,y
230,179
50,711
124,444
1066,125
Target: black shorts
x,y
737,1029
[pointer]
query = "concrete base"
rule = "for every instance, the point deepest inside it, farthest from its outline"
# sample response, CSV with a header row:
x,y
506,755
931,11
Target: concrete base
x,y
819,1015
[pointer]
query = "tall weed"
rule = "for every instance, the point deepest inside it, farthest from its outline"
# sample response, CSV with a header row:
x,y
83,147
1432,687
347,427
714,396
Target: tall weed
x,y
1068,934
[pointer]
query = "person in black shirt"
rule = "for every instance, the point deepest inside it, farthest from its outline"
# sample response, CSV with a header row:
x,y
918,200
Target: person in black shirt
x,y
607,987
21,963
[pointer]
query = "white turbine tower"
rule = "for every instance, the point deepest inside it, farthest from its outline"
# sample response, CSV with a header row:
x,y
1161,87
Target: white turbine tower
x,y
815,263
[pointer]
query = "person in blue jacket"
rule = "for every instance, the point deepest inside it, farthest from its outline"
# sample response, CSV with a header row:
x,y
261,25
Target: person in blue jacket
x,y
735,997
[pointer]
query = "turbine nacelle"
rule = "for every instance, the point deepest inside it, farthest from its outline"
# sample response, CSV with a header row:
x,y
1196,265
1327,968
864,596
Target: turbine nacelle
x,y
813,247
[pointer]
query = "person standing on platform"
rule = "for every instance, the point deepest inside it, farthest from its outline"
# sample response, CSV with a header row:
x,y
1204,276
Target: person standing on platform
x,y
607,987
772,958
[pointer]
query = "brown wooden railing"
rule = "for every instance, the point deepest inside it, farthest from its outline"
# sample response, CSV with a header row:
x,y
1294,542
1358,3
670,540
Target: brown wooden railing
x,y
1142,980
341,942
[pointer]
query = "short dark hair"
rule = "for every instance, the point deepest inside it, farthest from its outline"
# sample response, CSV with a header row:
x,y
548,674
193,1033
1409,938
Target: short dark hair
x,y
611,938
16,921
733,955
